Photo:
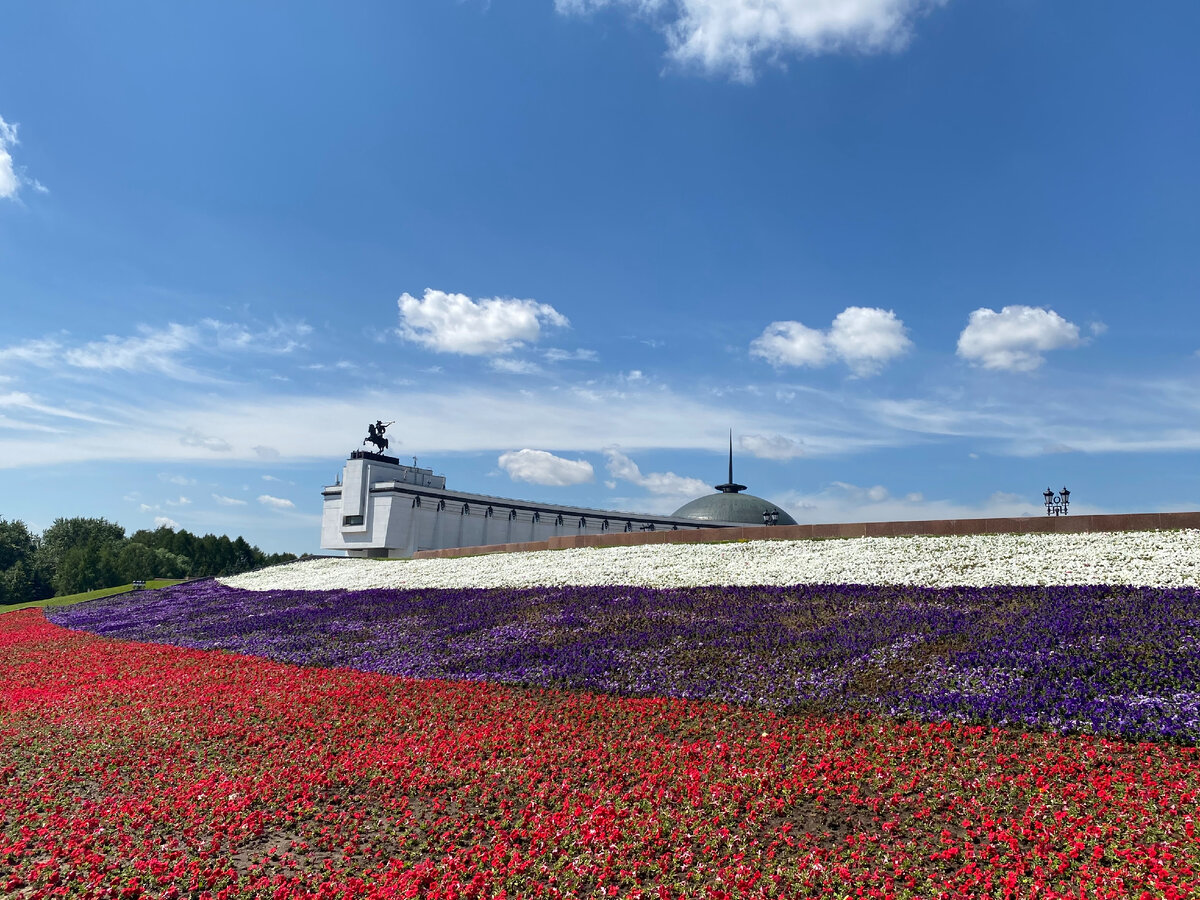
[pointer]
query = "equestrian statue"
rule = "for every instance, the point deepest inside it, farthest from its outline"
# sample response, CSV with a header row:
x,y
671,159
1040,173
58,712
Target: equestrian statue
x,y
375,434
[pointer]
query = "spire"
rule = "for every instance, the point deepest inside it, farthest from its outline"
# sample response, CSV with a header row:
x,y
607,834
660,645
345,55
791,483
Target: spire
x,y
730,487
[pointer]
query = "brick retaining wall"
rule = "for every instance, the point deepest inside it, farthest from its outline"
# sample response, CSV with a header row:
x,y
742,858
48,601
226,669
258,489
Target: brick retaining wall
x,y
1020,525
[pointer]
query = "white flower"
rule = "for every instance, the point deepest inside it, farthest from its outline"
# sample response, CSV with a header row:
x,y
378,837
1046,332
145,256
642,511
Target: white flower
x,y
1147,558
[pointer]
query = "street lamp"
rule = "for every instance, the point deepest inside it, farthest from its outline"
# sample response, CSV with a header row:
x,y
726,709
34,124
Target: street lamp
x,y
1056,504
770,517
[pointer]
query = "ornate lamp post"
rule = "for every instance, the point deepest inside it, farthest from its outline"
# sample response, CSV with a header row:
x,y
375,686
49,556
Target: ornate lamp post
x,y
1056,504
770,517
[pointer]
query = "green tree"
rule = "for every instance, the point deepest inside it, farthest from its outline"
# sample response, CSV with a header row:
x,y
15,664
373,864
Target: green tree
x,y
136,562
87,567
243,555
65,534
17,544
170,565
17,584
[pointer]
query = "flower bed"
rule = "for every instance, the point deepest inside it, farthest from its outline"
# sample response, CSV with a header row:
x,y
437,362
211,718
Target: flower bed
x,y
1117,661
1147,558
131,770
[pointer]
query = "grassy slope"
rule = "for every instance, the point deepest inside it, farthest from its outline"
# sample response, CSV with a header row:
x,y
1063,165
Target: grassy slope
x,y
87,595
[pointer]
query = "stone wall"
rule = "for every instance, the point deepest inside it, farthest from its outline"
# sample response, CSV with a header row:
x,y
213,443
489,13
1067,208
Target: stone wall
x,y
1021,525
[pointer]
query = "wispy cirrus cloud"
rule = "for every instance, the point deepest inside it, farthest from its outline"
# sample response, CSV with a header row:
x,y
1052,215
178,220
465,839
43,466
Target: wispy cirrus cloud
x,y
158,350
771,446
26,401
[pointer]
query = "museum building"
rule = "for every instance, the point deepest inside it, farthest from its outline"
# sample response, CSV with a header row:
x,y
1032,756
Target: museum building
x,y
383,508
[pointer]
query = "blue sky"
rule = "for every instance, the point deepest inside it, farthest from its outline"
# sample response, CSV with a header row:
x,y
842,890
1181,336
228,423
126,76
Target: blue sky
x,y
923,258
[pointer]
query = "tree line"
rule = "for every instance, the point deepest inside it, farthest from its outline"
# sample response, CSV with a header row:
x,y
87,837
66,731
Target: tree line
x,y
81,554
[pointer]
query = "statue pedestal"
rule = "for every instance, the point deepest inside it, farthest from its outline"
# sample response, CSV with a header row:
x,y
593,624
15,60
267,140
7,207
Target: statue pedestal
x,y
377,457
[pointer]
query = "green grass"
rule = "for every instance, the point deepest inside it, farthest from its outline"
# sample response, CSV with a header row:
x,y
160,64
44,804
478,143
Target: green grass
x,y
88,595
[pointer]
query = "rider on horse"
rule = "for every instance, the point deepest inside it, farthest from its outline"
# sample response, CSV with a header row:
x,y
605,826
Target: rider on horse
x,y
375,434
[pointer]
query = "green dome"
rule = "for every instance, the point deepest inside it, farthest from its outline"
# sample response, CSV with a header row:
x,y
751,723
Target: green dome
x,y
730,506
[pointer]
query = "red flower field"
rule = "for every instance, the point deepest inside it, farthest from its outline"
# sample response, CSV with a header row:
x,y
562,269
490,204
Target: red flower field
x,y
130,770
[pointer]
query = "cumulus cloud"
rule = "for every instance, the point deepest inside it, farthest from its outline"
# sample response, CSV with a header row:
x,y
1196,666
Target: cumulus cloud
x,y
454,323
228,501
665,483
734,37
1015,338
12,178
864,338
771,446
791,344
275,502
165,522
541,467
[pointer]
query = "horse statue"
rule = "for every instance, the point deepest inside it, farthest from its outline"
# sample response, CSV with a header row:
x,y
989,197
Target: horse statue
x,y
375,434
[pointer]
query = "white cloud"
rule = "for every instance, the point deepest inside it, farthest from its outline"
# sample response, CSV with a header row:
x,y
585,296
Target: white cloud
x,y
41,352
262,451
176,479
454,323
160,350
12,178
864,338
541,467
160,521
182,501
193,438
844,502
228,501
771,446
22,400
1015,338
514,366
665,483
554,354
791,344
868,338
735,36
154,350
275,502
282,337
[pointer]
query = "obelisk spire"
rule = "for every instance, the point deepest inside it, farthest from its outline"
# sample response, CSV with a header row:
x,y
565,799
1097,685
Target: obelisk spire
x,y
730,487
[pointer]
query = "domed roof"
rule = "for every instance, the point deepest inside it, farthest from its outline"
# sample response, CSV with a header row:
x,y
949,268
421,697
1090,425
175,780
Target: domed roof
x,y
730,505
